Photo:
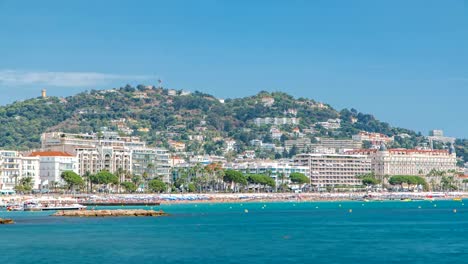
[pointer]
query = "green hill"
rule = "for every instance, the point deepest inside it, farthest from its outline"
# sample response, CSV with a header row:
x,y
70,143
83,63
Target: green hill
x,y
158,115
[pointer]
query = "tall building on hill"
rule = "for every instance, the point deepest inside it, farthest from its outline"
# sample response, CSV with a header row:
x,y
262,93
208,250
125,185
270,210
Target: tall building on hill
x,y
109,151
438,135
376,139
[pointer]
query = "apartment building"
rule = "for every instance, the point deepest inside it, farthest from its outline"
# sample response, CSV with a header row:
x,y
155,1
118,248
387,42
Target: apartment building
x,y
376,139
152,162
279,170
334,169
276,121
14,167
51,166
110,151
337,144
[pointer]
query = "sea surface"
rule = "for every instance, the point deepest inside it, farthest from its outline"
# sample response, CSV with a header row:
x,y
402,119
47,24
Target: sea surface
x,y
320,232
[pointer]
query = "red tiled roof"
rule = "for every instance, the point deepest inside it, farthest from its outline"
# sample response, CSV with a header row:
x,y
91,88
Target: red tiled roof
x,y
50,154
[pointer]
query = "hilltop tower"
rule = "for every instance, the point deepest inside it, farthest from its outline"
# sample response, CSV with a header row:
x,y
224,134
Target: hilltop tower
x,y
44,93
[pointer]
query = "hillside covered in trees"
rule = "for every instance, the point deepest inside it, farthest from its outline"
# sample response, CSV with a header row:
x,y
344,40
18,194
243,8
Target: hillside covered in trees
x,y
159,115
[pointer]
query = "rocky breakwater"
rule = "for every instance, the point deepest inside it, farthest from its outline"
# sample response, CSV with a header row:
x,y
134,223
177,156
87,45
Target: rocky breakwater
x,y
110,213
6,221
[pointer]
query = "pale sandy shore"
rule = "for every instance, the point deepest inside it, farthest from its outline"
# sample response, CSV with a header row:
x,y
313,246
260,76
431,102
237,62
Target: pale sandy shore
x,y
238,197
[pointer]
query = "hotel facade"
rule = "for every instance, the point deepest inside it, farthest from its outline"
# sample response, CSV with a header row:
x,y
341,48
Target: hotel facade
x,y
110,151
334,169
409,161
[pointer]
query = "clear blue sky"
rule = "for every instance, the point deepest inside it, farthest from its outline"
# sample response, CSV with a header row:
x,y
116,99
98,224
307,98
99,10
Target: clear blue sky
x,y
404,61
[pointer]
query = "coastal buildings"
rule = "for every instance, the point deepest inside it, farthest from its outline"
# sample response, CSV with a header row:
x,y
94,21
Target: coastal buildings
x,y
376,139
14,167
334,169
110,151
279,170
409,161
328,145
338,144
151,163
330,124
276,121
51,166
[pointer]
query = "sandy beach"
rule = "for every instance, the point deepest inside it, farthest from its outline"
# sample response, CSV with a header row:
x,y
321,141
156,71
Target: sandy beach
x,y
123,199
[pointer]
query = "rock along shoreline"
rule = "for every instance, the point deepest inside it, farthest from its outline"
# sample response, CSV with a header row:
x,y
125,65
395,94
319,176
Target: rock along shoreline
x,y
110,213
6,221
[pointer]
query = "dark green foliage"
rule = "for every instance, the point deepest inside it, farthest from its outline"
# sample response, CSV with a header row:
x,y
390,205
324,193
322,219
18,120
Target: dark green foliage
x,y
104,177
72,179
22,123
261,179
129,186
157,186
408,179
235,177
298,178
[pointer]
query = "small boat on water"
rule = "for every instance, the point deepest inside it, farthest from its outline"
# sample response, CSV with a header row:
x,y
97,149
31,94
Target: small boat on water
x,y
52,204
458,199
15,207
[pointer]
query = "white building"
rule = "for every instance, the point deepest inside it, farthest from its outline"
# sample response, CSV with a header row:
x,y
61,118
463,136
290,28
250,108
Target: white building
x,y
279,170
109,151
438,135
334,169
10,169
376,139
409,161
30,167
14,167
330,124
52,164
152,162
276,121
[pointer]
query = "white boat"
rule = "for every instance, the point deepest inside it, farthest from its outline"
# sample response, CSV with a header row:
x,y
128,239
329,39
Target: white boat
x,y
52,204
14,207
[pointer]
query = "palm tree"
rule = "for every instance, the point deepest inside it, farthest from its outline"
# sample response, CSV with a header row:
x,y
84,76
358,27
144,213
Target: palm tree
x,y
120,174
86,177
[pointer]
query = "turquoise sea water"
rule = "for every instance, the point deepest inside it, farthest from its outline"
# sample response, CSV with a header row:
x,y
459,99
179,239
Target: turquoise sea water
x,y
322,232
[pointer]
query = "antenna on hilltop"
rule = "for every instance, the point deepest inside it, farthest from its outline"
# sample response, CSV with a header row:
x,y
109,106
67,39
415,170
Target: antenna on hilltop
x,y
160,83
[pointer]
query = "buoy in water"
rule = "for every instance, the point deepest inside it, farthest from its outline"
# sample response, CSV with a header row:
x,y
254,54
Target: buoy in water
x,y
246,211
339,205
350,210
419,207
435,205
455,210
